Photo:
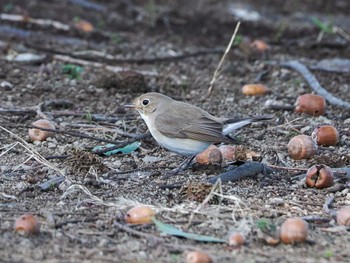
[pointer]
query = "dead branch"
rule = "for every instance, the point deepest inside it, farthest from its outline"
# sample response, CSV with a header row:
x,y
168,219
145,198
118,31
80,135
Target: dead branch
x,y
134,232
35,21
113,69
33,111
326,206
313,82
100,56
245,170
85,136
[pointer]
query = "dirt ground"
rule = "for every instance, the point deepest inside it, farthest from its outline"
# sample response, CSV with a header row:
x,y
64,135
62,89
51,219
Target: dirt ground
x,y
81,76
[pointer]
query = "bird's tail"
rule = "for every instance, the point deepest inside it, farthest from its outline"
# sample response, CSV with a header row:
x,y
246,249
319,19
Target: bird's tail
x,y
231,125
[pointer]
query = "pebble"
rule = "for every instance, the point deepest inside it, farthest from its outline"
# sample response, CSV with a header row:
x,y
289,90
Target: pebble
x,y
6,85
305,129
345,192
64,185
51,145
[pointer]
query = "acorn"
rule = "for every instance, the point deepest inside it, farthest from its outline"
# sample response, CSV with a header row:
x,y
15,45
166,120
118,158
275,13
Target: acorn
x,y
197,257
254,89
236,239
84,26
343,216
302,147
319,176
228,152
139,215
294,230
326,135
311,104
211,155
41,135
27,225
260,45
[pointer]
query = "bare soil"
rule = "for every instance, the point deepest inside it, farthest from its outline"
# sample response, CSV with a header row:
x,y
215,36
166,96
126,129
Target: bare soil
x,y
82,217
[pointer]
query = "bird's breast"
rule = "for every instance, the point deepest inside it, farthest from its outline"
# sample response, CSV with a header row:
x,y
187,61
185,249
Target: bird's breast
x,y
178,145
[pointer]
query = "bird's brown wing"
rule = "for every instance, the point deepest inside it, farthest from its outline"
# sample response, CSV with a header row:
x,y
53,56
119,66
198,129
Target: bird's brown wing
x,y
190,124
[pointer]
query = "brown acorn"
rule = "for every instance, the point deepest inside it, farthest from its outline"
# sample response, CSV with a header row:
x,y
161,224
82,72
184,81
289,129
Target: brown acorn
x,y
41,135
343,216
141,214
236,239
326,135
197,257
302,147
211,155
319,176
311,104
254,89
27,225
260,45
294,230
228,152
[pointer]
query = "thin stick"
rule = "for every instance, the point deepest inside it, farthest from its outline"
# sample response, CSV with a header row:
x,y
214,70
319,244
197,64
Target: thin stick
x,y
313,82
110,68
287,168
137,233
217,70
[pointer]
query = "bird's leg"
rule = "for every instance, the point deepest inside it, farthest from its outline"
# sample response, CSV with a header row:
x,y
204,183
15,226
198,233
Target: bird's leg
x,y
183,166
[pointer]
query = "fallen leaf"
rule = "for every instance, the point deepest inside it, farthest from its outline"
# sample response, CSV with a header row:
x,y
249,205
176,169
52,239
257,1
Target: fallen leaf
x,y
124,150
174,231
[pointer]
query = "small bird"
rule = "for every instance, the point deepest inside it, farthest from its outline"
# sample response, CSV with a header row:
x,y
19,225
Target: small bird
x,y
184,128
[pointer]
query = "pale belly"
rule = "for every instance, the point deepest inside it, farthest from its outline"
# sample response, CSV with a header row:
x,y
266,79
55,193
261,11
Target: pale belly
x,y
177,145
181,146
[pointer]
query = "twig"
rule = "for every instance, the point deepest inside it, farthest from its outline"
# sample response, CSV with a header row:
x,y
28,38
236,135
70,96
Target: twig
x,y
36,21
245,170
134,232
313,82
74,134
316,219
341,32
33,110
113,69
91,5
287,168
217,70
81,135
326,206
99,56
51,183
76,221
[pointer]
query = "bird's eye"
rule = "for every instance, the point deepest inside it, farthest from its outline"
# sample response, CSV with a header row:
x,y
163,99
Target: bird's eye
x,y
145,102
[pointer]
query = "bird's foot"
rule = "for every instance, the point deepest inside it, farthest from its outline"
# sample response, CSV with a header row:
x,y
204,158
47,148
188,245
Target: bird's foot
x,y
181,168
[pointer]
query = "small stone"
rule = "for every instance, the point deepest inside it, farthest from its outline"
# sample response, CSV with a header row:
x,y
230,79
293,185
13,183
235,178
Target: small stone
x,y
51,145
305,129
6,85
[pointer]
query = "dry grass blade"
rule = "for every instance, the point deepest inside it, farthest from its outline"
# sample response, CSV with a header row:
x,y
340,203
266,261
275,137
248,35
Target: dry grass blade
x,y
33,152
217,70
93,198
216,186
9,148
